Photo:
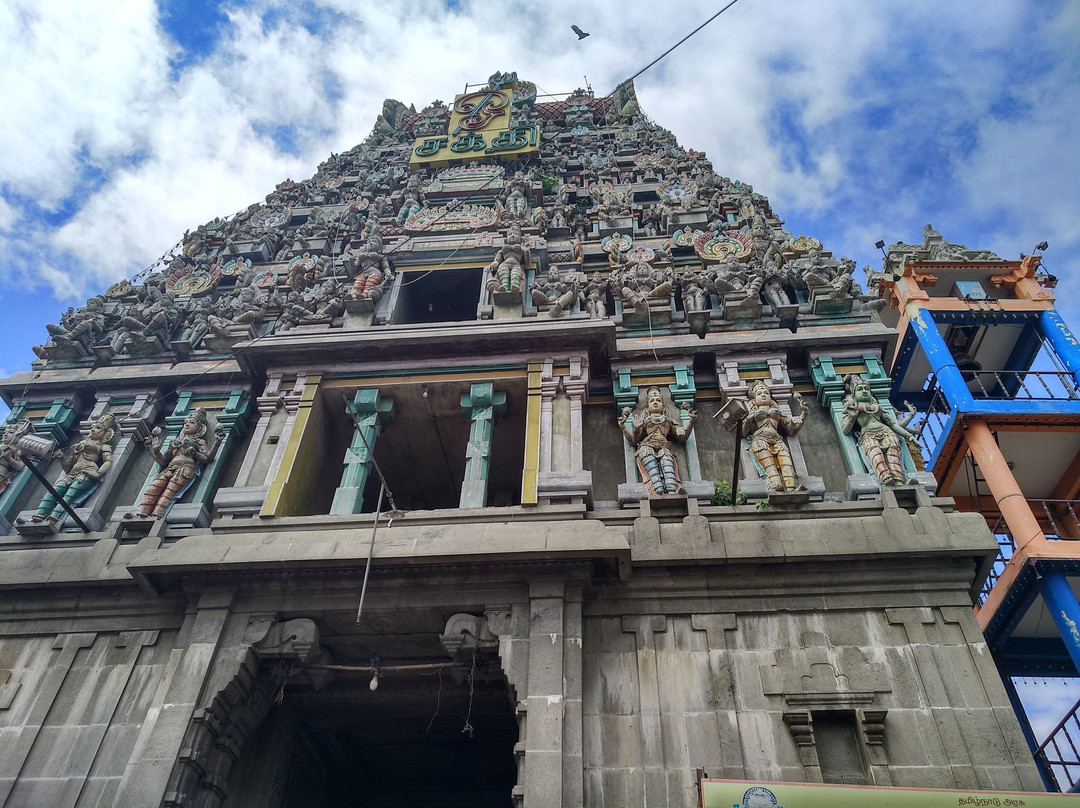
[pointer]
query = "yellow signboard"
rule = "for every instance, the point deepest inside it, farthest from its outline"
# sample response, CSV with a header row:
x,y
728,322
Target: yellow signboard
x,y
479,128
741,794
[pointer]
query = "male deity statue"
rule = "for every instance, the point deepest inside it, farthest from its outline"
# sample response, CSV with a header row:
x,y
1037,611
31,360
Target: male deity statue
x,y
879,435
767,425
651,433
557,291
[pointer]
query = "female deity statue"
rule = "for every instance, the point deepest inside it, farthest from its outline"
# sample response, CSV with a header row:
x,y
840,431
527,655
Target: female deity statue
x,y
880,436
767,425
508,267
651,434
187,452
84,466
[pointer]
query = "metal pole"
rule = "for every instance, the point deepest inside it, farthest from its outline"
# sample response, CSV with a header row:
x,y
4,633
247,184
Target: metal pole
x,y
48,487
735,472
371,552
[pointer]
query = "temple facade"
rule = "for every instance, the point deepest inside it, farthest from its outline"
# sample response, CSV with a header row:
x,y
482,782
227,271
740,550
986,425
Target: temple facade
x,y
516,458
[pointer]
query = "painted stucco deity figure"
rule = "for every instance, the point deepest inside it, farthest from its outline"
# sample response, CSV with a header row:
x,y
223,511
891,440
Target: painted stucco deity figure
x,y
880,437
187,454
508,267
767,425
84,465
639,282
516,204
11,460
371,269
651,433
556,291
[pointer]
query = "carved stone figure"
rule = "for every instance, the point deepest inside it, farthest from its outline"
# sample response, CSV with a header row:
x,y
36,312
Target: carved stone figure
x,y
508,267
693,285
182,462
595,297
11,460
556,291
516,203
83,327
370,268
880,437
639,282
767,425
651,433
84,466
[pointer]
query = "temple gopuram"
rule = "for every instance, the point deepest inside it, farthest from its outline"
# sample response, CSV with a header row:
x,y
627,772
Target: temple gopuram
x,y
519,458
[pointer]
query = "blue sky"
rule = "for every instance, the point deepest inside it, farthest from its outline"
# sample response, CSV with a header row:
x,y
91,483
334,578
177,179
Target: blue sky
x,y
127,123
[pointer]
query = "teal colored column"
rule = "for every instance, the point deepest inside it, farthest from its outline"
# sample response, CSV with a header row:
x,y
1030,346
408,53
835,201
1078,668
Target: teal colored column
x,y
1063,608
482,405
233,419
941,360
56,424
370,413
1061,339
626,395
684,392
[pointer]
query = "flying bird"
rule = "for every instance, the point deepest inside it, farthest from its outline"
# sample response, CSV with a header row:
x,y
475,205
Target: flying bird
x,y
580,34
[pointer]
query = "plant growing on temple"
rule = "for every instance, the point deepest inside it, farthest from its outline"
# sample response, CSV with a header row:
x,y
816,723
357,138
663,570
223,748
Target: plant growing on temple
x,y
722,493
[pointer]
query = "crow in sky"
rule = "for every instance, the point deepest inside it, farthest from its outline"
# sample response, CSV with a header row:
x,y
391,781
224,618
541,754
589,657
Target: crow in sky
x,y
580,34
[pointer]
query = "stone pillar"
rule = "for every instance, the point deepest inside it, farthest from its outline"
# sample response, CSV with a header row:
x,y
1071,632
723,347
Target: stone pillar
x,y
563,387
544,772
482,405
299,405
162,735
369,411
248,493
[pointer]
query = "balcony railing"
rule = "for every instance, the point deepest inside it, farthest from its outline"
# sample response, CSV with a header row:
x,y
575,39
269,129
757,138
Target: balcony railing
x,y
1022,385
1059,520
1059,753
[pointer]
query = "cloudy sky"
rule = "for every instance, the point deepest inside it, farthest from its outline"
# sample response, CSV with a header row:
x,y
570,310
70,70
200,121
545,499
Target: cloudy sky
x,y
128,122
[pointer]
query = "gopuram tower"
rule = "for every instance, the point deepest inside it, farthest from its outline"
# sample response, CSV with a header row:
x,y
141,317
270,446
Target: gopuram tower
x,y
516,458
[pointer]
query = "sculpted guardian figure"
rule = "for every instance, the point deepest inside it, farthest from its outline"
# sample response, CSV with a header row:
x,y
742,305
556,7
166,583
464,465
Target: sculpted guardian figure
x,y
879,435
186,454
84,466
507,269
651,433
767,425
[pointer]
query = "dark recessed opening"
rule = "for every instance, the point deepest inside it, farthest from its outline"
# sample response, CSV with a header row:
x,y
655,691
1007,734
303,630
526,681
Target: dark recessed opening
x,y
442,296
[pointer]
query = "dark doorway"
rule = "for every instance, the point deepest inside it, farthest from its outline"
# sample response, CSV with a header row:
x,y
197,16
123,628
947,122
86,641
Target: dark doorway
x,y
419,739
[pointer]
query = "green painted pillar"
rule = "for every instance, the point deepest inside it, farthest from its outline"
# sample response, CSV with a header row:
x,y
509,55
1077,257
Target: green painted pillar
x,y
370,412
482,405
233,419
56,424
626,395
684,392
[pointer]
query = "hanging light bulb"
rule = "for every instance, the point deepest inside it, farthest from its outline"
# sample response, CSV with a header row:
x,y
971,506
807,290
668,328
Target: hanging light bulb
x,y
376,664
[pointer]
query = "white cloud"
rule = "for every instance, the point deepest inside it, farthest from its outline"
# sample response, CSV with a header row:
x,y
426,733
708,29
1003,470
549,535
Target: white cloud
x,y
853,119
